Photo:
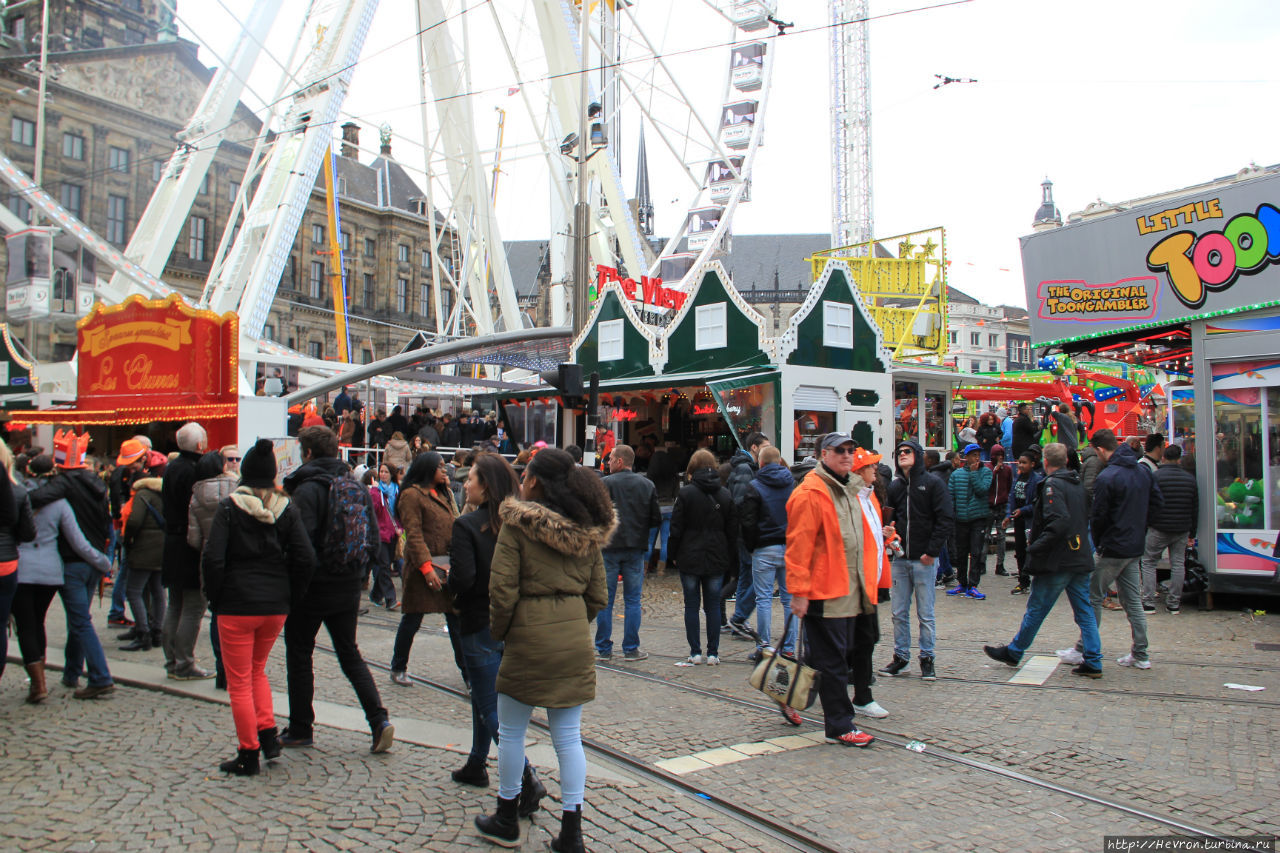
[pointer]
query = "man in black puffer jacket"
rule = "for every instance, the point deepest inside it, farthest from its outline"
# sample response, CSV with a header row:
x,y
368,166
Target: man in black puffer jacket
x,y
181,569
924,517
332,598
1058,559
635,501
744,464
1125,496
1174,528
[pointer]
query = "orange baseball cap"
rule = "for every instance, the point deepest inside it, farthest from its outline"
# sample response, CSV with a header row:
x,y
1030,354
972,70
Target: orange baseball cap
x,y
131,451
863,457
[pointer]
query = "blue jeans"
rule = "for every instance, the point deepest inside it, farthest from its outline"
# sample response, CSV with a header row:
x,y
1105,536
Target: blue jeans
x,y
566,736
8,587
83,645
745,596
702,591
912,577
118,589
658,536
630,564
769,566
481,655
1045,590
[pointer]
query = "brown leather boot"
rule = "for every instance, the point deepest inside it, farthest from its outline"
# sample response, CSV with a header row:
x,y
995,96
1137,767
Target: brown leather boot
x,y
39,692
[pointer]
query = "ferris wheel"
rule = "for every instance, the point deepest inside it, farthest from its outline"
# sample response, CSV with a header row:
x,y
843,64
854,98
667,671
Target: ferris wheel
x,y
681,88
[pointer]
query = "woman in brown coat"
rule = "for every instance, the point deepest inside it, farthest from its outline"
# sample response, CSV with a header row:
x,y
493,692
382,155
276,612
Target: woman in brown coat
x,y
397,451
426,510
546,586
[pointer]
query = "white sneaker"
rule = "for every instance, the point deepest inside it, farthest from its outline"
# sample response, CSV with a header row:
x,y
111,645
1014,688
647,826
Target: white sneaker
x,y
1071,656
696,659
871,709
713,660
1130,660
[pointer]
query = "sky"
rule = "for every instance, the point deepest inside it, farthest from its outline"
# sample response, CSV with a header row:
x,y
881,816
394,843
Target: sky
x,y
1109,100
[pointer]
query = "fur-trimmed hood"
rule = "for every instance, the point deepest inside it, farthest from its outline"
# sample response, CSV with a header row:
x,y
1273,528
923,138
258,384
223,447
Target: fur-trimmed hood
x,y
152,483
552,529
266,511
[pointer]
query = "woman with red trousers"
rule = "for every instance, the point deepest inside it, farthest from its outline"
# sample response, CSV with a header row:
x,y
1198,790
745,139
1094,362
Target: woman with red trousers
x,y
257,559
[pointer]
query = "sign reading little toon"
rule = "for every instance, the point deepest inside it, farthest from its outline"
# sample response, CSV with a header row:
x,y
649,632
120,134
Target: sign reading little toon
x,y
1206,252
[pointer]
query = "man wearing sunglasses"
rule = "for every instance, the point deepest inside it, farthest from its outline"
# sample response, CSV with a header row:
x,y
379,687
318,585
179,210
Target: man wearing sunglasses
x,y
924,517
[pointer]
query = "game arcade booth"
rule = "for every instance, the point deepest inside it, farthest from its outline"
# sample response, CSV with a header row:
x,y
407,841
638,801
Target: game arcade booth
x,y
713,374
1187,282
151,362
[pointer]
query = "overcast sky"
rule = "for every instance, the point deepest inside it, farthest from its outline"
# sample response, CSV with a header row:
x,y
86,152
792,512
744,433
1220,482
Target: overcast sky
x,y
1110,100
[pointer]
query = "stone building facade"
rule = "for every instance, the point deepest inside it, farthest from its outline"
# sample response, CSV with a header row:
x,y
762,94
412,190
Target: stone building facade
x,y
121,85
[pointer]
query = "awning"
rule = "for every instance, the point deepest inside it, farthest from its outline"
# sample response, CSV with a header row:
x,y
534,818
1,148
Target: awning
x,y
668,380
140,415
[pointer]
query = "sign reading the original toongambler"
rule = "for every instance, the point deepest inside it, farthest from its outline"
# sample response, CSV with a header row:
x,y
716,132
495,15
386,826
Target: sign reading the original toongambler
x,y
1208,251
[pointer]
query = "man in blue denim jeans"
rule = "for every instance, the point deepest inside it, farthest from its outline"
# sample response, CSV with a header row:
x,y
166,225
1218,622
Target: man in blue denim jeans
x,y
764,534
635,499
924,517
743,467
1058,559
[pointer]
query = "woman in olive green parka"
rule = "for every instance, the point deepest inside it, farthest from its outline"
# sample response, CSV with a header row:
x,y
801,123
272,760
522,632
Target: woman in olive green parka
x,y
546,586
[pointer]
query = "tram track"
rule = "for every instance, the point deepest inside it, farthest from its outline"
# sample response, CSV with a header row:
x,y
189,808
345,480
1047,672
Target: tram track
x,y
789,834
777,830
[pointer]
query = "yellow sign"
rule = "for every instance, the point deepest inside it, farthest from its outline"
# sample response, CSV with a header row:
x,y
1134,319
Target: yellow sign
x,y
169,334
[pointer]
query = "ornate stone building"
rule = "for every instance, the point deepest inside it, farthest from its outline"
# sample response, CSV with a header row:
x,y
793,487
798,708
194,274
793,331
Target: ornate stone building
x,y
121,85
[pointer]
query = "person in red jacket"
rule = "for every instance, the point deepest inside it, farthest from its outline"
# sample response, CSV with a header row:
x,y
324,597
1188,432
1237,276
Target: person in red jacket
x,y
833,587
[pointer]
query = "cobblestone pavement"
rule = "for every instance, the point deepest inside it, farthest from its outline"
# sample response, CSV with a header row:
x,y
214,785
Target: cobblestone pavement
x,y
1172,740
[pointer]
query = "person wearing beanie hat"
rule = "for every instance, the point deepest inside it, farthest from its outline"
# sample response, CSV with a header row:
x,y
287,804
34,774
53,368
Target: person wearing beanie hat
x,y
970,486
258,467
1001,481
257,560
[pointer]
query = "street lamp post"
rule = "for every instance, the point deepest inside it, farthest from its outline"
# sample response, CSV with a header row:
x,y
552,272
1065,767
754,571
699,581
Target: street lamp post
x,y
581,211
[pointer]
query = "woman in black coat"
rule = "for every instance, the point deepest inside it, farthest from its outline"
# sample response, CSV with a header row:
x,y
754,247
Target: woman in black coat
x,y
490,480
257,561
704,532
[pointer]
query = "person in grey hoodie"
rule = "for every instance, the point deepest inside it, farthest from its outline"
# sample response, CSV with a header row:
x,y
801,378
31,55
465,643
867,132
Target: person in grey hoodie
x,y
40,575
217,476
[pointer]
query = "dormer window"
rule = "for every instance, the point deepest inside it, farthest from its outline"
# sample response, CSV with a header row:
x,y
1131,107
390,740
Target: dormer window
x,y
610,338
710,328
837,325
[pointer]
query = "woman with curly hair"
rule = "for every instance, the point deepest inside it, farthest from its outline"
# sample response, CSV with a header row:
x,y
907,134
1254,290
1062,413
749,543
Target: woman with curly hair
x,y
546,586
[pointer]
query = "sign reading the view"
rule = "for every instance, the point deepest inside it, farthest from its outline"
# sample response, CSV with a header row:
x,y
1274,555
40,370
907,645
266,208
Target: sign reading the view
x,y
1207,252
649,291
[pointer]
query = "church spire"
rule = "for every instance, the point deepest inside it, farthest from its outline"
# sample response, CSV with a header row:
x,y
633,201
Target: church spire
x,y
644,199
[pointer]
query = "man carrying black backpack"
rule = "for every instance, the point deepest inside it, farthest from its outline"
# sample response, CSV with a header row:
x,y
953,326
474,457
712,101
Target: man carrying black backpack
x,y
333,598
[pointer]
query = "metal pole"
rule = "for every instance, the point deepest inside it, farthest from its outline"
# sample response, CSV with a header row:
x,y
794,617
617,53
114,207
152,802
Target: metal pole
x,y
44,64
581,212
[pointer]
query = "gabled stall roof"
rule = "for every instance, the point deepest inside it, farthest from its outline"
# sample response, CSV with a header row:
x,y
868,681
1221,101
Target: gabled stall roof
x,y
804,344
640,345
746,343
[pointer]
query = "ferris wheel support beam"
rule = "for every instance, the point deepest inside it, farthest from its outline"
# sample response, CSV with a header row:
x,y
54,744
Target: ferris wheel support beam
x,y
851,213
474,216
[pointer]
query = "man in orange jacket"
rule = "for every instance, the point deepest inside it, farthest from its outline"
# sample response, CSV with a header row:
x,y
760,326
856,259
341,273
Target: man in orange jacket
x,y
833,588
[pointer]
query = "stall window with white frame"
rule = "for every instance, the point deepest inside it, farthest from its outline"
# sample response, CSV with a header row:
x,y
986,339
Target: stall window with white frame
x,y
610,337
837,325
710,329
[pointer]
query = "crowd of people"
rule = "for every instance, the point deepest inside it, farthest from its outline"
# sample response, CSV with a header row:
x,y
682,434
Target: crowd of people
x,y
524,562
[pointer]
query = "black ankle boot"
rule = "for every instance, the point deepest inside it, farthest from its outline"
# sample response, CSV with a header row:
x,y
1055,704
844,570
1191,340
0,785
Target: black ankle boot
x,y
244,764
503,826
269,743
156,635
531,792
570,839
472,773
139,644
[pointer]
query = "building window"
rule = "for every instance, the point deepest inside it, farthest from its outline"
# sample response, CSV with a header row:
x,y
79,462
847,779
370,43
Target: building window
x,y
204,185
402,253
293,272
317,279
953,336
368,290
316,349
402,295
118,159
370,248
157,170
993,366
117,207
424,297
268,332
993,341
610,338
709,328
837,325
195,238
345,241
19,207
975,367
426,258
366,356
233,191
73,146
975,339
72,199
342,186
317,233
22,131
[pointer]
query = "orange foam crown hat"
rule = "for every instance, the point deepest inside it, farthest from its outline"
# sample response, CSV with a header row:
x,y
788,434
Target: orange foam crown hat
x,y
69,449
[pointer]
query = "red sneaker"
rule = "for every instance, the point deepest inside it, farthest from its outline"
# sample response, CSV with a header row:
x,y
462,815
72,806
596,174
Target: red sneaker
x,y
791,715
122,622
853,738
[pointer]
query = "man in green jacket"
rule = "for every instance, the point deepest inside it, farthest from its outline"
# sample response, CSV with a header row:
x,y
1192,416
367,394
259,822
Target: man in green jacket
x,y
970,487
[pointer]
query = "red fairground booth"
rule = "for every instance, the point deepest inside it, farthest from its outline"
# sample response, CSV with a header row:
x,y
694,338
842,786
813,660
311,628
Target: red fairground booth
x,y
144,361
